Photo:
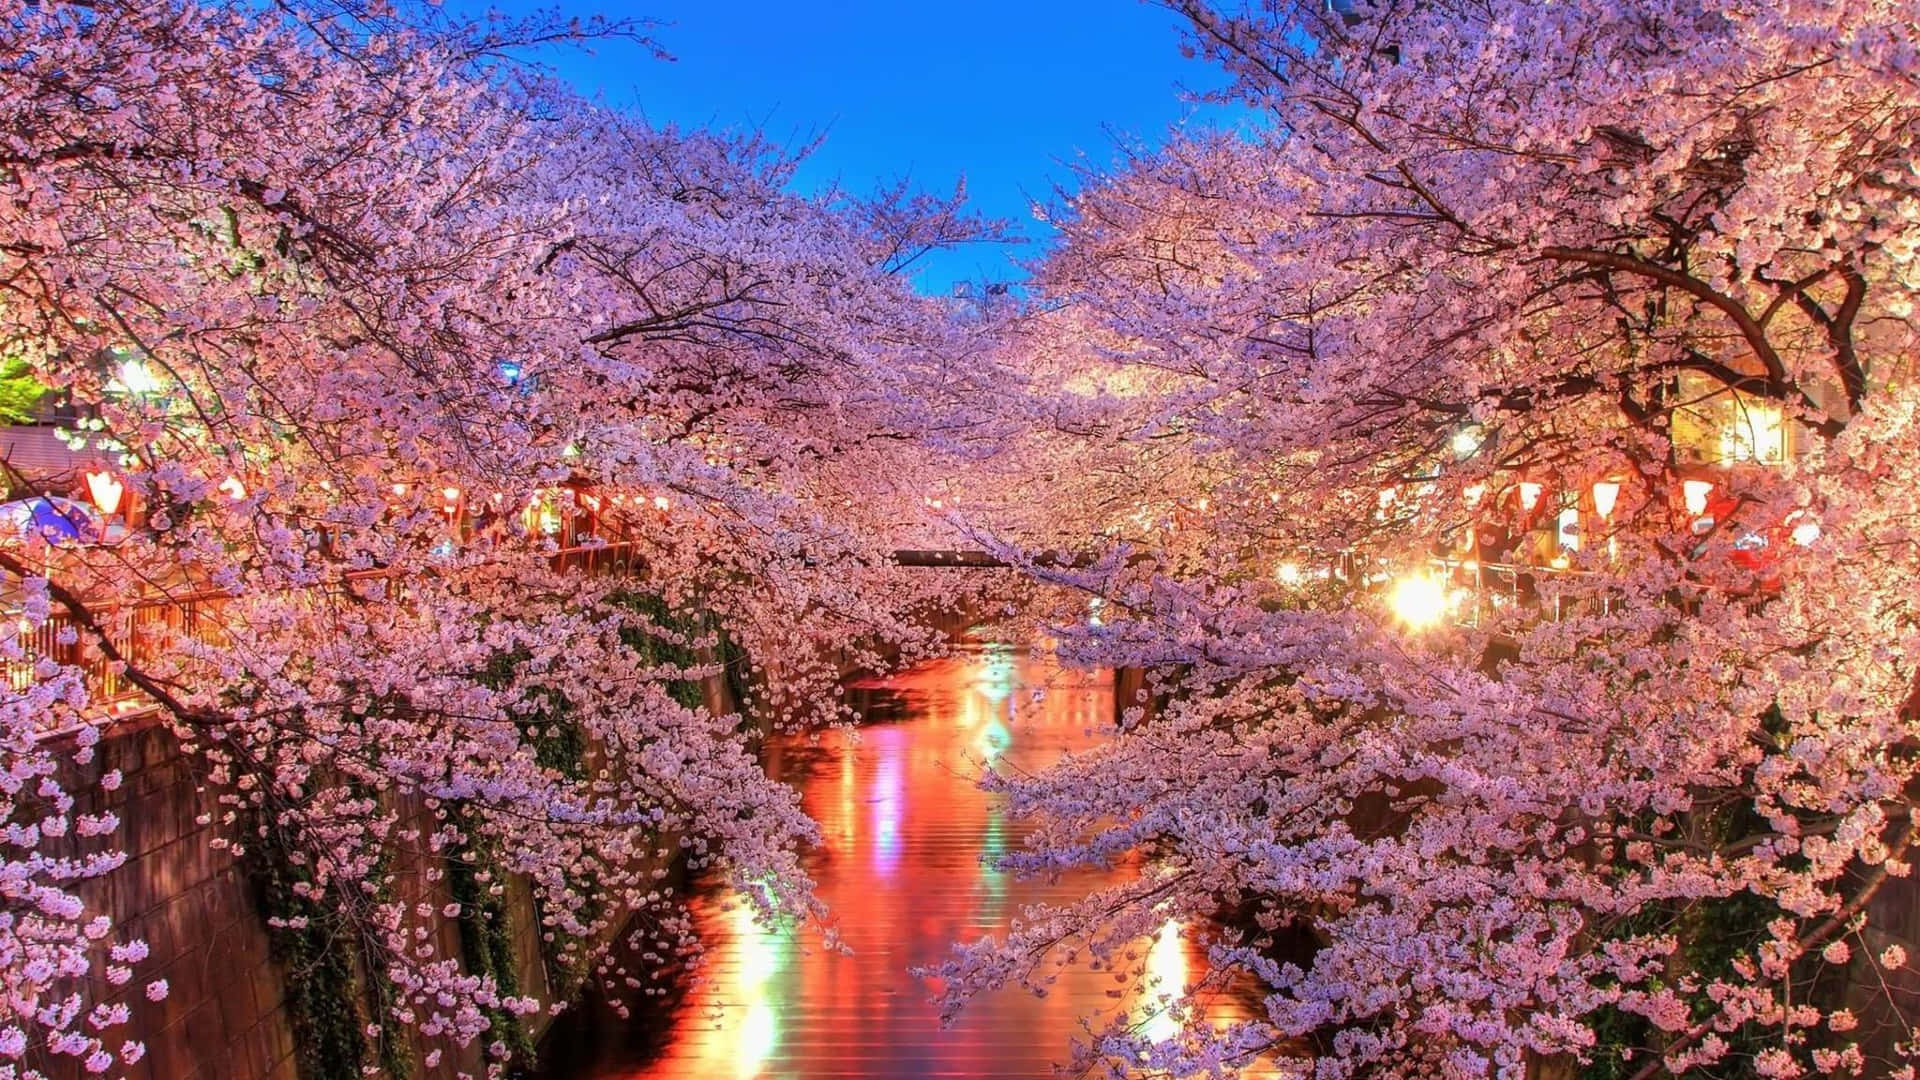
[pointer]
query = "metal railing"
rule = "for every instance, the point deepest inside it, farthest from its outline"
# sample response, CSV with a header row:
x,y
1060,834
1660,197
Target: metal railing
x,y
1478,591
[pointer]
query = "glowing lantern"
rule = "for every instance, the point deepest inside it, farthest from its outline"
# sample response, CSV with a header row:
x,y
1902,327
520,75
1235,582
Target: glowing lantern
x,y
546,515
1807,531
1418,600
399,489
1288,573
105,491
1606,493
1569,528
234,488
1530,495
1695,492
660,502
1466,442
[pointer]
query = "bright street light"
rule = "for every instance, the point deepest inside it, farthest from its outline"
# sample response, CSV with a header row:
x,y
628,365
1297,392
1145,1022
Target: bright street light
x,y
1418,600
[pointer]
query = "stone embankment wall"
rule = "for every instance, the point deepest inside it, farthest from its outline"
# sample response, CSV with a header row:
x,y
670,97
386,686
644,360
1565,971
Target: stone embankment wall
x,y
228,1013
193,905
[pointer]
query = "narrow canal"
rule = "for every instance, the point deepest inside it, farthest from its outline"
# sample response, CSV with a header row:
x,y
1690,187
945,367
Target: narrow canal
x,y
906,869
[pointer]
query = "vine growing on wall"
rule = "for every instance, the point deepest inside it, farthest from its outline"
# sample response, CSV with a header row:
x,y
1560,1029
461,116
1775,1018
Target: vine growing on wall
x,y
669,644
478,884
309,942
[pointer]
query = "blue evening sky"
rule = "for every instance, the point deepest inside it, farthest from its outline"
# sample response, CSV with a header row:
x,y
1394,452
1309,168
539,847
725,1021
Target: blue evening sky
x,y
1005,92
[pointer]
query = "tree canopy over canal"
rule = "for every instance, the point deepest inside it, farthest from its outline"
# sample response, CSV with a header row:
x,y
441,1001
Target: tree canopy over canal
x,y
1499,453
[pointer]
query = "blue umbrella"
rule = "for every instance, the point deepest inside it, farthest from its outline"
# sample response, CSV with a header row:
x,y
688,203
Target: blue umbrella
x,y
53,519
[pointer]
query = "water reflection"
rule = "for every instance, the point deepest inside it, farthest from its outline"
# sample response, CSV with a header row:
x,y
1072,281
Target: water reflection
x,y
906,833
761,953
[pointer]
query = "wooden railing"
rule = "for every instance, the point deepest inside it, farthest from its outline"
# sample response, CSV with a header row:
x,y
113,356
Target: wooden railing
x,y
139,632
142,631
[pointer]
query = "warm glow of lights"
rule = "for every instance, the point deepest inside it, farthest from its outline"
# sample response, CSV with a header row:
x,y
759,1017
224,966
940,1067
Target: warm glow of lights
x,y
1473,493
997,674
1289,573
1166,981
1568,528
1756,432
1466,441
1418,600
1806,532
1606,494
399,489
105,491
1695,492
848,818
135,377
992,741
758,962
889,803
761,956
660,503
234,488
1530,495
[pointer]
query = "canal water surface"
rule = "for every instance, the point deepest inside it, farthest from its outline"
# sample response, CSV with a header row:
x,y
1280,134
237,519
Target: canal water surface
x,y
905,868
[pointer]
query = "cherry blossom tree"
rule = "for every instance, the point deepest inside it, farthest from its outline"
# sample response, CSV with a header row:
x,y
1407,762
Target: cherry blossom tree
x,y
361,303
1463,263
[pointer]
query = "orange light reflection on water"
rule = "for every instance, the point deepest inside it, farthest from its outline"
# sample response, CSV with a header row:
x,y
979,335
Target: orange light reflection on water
x,y
903,869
